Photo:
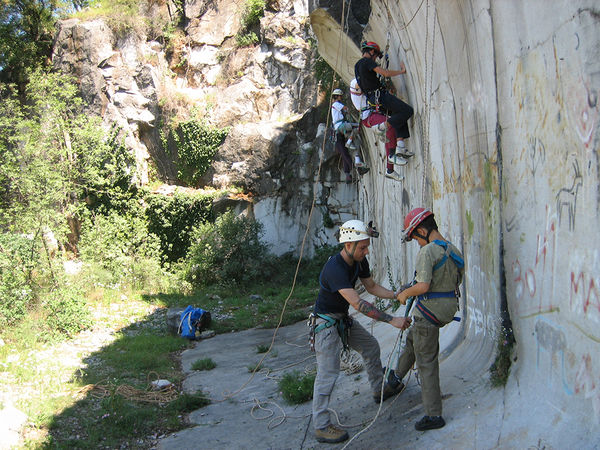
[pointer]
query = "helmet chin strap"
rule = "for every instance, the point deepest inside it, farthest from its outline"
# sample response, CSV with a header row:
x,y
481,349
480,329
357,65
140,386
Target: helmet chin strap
x,y
419,235
351,254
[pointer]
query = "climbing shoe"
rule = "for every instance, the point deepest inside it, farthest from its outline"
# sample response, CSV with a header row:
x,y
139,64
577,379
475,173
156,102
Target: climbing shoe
x,y
362,169
388,391
394,175
397,160
430,423
331,434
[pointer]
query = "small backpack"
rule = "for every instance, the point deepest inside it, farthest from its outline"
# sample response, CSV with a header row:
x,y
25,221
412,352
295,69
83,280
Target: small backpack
x,y
193,319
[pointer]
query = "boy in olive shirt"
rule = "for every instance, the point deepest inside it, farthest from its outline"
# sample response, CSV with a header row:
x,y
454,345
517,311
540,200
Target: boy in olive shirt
x,y
439,272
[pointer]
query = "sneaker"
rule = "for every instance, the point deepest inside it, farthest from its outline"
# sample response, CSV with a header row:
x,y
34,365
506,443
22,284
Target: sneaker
x,y
403,151
350,144
362,169
388,391
430,423
394,175
397,160
331,434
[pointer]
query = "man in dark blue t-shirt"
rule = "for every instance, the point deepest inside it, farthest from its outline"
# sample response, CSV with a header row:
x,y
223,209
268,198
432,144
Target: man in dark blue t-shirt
x,y
367,72
334,329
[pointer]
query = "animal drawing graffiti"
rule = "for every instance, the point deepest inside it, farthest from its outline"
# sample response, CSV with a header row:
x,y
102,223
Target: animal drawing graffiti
x,y
566,198
554,341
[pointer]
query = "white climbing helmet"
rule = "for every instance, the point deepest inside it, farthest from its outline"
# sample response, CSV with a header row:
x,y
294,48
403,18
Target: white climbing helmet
x,y
356,230
337,91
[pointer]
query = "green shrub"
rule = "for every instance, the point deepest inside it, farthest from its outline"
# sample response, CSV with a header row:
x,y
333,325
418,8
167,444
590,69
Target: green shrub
x,y
173,218
66,313
297,388
18,258
253,11
230,250
246,39
122,247
196,145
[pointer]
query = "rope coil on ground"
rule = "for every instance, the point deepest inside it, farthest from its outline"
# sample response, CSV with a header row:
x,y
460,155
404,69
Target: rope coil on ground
x,y
350,362
165,395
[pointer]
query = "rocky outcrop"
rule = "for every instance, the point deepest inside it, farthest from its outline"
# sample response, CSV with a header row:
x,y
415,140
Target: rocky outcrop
x,y
265,93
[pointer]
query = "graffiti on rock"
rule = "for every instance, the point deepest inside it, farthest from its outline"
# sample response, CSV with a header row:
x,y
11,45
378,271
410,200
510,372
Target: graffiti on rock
x,y
587,382
478,282
525,277
566,198
552,340
584,296
583,111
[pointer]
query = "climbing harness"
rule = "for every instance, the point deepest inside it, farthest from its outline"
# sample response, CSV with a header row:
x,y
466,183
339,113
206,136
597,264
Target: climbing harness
x,y
342,326
460,264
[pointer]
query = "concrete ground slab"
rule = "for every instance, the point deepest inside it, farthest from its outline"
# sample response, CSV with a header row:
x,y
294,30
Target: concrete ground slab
x,y
472,409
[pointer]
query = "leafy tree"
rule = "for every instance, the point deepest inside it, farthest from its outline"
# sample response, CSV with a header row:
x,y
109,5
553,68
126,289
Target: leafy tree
x,y
26,33
52,155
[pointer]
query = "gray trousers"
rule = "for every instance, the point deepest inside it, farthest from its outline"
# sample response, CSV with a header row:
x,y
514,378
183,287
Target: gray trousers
x,y
328,347
422,346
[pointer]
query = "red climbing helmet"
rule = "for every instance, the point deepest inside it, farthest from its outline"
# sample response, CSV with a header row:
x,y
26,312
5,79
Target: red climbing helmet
x,y
370,45
412,220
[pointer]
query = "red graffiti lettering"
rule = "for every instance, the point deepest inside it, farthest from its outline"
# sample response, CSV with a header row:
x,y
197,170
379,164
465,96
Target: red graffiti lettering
x,y
589,293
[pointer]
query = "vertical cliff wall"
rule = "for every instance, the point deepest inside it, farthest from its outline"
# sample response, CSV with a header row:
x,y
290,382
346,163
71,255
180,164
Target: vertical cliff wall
x,y
506,141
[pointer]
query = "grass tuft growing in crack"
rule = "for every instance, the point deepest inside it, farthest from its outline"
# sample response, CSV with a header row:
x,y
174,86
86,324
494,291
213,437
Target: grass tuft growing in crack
x,y
500,369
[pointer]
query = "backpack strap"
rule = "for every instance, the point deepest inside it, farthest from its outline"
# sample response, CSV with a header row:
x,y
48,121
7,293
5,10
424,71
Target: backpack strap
x,y
188,316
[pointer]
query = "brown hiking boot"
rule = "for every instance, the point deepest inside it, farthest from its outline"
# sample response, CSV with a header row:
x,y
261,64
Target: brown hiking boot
x,y
388,391
331,434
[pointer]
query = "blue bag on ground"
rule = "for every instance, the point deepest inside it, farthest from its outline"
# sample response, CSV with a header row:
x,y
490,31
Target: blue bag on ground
x,y
193,319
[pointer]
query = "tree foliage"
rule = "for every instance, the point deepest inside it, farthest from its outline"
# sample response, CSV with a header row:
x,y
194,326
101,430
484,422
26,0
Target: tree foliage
x,y
26,33
52,155
229,250
196,144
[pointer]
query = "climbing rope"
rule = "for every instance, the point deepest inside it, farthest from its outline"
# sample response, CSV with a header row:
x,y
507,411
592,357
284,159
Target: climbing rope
x,y
350,362
150,395
428,87
370,424
275,420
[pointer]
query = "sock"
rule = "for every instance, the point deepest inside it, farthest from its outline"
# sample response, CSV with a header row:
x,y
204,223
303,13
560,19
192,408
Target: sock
x,y
400,143
356,159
